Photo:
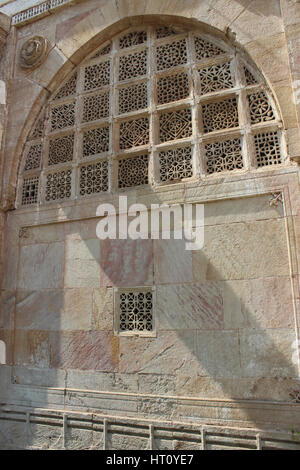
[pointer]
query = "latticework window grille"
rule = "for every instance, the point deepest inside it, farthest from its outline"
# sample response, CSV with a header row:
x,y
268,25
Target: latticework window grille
x,y
95,141
175,125
220,115
97,76
136,311
260,108
95,107
68,89
62,116
134,133
93,178
30,190
172,88
58,185
224,156
176,164
216,77
164,31
171,55
133,98
179,99
133,65
61,149
133,39
267,146
33,159
250,79
133,171
205,49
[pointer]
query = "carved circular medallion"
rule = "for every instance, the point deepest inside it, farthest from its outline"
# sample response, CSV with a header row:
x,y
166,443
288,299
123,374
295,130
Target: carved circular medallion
x,y
33,52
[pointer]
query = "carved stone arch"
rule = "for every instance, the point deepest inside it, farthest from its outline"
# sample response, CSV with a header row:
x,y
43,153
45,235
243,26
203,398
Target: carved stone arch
x,y
246,73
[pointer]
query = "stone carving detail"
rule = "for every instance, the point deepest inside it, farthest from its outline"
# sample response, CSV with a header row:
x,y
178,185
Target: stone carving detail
x,y
63,116
164,31
133,171
96,76
103,51
94,178
30,190
61,149
133,98
172,88
267,147
216,77
133,39
148,91
68,89
95,141
33,159
58,185
260,108
33,52
223,156
220,115
175,125
133,65
136,311
205,49
250,79
134,133
38,130
95,107
171,55
176,164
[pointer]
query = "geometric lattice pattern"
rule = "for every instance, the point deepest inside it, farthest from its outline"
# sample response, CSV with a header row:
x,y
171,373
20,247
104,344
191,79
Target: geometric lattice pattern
x,y
38,130
30,190
134,133
220,115
164,31
103,51
133,171
267,148
216,77
97,76
162,91
260,108
95,107
205,49
61,149
176,164
133,65
136,311
62,116
58,185
93,178
68,89
172,88
133,39
33,159
171,55
95,141
175,125
133,98
223,156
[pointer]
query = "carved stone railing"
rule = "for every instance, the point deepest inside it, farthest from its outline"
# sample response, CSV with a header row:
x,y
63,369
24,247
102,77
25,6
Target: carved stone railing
x,y
40,10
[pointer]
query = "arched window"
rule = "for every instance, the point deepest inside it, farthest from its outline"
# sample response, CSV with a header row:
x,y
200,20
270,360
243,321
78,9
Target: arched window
x,y
152,106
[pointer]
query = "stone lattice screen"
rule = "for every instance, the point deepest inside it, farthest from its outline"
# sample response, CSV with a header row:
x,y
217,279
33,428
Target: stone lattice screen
x,y
151,107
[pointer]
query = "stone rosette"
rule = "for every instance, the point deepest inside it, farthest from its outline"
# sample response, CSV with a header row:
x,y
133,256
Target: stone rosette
x,y
33,52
